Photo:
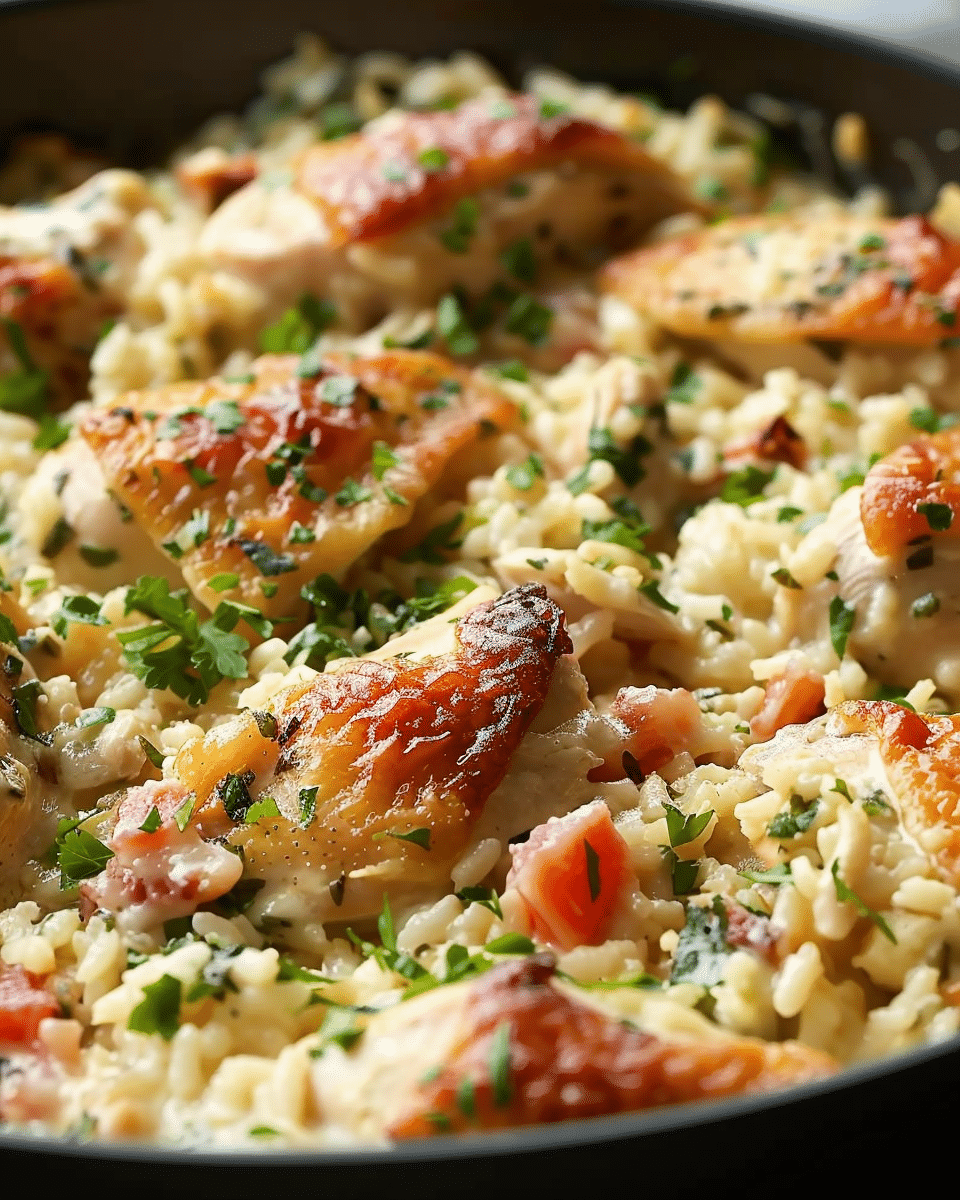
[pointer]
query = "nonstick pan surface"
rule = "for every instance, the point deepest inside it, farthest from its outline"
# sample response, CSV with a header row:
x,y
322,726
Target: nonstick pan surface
x,y
132,78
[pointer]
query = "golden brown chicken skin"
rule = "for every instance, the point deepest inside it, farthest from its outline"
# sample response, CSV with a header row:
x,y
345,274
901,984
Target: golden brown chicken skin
x,y
913,493
370,780
530,1054
394,175
420,203
789,277
58,315
919,755
261,484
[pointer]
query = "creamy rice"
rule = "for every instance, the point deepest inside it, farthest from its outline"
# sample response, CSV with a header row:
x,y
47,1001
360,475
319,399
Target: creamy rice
x,y
854,921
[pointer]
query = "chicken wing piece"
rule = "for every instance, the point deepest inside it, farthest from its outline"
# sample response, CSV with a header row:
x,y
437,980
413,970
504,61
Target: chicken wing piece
x,y
789,277
65,268
420,201
512,1048
267,481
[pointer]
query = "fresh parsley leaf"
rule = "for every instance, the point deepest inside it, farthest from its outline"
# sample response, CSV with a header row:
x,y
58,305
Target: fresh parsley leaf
x,y
159,1011
499,1063
419,837
79,855
625,460
52,432
685,384
308,805
487,897
78,610
745,487
352,493
265,558
842,618
529,319
520,260
25,390
299,327
510,943
846,894
25,697
702,950
458,235
801,816
939,516
780,873
454,328
651,590
92,717
683,828
522,476
433,159
99,556
439,540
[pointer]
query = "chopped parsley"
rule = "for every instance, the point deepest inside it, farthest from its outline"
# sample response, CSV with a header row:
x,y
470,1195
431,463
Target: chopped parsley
x,y
745,487
685,384
842,618
299,327
265,558
522,476
159,1011
433,159
939,516
454,328
800,817
179,651
847,895
702,950
52,432
78,854
459,233
77,610
529,319
520,260
25,390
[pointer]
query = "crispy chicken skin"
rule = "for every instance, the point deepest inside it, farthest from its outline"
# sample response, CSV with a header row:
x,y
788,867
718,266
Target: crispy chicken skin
x,y
292,472
65,268
913,493
919,755
483,144
523,1052
358,760
789,277
574,187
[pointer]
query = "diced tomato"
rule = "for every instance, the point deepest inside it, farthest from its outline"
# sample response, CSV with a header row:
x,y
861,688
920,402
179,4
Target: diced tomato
x,y
792,698
24,1003
573,873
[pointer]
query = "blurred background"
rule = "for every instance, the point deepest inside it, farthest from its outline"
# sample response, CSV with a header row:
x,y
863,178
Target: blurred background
x,y
929,25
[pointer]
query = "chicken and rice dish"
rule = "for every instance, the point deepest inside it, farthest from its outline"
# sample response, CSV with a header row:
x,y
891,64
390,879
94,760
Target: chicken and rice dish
x,y
480,616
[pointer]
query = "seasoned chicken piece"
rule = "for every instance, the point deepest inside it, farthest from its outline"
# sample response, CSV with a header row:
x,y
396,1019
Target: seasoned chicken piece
x,y
65,268
913,494
895,566
513,1048
906,759
420,201
267,481
68,514
378,777
160,866
789,277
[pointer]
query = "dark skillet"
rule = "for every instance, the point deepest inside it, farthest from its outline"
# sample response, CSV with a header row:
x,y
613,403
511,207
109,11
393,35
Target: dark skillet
x,y
132,77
